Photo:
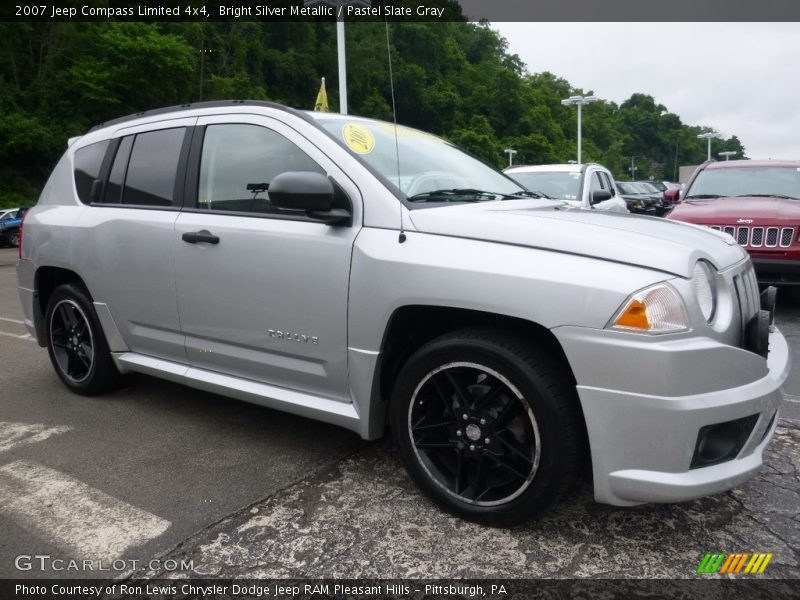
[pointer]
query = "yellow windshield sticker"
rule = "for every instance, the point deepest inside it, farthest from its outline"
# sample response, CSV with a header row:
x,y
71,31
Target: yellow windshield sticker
x,y
408,132
358,138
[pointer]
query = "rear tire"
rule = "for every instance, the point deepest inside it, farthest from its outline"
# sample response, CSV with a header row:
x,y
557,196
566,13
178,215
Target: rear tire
x,y
76,343
488,426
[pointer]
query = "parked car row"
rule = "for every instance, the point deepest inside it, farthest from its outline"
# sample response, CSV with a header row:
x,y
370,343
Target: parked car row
x,y
593,186
649,196
755,202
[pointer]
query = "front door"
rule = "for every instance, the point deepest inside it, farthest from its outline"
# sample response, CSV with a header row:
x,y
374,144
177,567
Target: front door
x,y
266,298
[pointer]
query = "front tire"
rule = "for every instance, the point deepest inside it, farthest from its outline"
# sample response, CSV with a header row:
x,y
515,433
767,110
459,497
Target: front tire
x,y
76,344
488,426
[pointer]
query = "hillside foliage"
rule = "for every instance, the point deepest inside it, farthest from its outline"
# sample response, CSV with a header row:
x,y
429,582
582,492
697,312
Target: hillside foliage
x,y
454,79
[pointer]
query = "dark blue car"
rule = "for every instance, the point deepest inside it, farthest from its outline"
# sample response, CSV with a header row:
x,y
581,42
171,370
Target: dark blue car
x,y
9,227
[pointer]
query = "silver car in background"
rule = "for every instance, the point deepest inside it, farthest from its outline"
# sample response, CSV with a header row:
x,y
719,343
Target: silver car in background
x,y
587,185
346,270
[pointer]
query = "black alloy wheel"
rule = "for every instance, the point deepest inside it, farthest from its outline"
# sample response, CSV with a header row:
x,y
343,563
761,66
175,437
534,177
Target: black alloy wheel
x,y
71,338
488,425
75,342
474,433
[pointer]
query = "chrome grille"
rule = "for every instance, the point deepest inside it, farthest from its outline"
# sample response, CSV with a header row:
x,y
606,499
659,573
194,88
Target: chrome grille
x,y
772,237
743,236
746,287
757,237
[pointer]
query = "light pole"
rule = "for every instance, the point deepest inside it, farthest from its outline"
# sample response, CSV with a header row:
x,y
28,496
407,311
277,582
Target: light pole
x,y
675,170
710,135
203,52
633,167
579,101
340,5
511,152
727,154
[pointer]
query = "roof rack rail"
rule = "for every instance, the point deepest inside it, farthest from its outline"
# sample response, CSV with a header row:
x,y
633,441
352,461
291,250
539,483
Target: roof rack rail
x,y
193,105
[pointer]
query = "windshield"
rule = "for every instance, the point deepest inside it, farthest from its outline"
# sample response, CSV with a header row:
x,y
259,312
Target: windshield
x,y
626,187
556,184
657,185
781,182
648,187
427,163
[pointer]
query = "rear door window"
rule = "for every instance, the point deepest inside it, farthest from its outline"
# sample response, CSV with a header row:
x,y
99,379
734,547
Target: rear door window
x,y
152,168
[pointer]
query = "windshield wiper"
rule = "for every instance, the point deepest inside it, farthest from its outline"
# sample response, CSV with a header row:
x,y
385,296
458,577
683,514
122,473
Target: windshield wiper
x,y
527,194
456,195
702,196
785,197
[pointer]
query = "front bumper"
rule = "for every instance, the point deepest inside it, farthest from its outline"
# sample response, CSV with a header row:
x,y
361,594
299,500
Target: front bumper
x,y
643,432
777,271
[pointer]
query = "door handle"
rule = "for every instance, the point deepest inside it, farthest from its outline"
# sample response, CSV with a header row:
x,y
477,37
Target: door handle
x,y
202,236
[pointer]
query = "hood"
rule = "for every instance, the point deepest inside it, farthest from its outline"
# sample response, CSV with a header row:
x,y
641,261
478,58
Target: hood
x,y
728,211
654,243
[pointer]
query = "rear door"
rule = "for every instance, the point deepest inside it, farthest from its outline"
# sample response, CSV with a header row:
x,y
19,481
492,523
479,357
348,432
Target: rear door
x,y
268,301
124,246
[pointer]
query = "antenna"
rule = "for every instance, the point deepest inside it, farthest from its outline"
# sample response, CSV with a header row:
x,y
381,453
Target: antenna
x,y
402,237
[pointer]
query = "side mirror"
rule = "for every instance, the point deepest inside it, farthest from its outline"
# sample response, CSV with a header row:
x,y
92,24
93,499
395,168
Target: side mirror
x,y
301,190
672,195
308,191
599,196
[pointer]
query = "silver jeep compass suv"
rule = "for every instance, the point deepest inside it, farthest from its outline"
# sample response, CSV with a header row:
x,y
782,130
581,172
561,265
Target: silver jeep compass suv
x,y
368,275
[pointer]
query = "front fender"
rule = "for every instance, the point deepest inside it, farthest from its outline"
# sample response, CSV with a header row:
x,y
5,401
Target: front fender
x,y
548,288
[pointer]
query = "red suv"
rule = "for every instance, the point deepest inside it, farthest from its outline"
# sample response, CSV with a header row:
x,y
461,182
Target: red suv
x,y
756,202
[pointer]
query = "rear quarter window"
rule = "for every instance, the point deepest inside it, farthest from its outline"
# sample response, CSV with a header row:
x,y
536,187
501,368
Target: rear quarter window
x,y
87,163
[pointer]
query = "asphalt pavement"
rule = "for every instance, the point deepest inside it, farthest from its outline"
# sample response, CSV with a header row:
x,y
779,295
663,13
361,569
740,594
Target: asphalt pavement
x,y
159,472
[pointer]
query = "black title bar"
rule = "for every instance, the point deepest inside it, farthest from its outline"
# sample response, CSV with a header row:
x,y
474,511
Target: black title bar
x,y
404,10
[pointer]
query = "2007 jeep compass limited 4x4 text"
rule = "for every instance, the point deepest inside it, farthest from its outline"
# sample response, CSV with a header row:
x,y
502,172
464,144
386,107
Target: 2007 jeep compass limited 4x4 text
x,y
365,275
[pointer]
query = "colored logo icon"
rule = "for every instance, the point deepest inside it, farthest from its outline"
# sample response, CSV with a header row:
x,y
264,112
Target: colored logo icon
x,y
739,562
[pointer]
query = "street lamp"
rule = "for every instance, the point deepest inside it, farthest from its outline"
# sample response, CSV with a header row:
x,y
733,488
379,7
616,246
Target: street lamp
x,y
633,168
727,154
579,101
709,136
511,152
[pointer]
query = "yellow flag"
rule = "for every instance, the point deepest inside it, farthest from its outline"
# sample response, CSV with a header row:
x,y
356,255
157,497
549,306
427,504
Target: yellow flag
x,y
321,105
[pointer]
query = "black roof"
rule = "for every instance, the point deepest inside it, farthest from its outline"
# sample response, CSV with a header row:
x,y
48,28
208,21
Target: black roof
x,y
193,105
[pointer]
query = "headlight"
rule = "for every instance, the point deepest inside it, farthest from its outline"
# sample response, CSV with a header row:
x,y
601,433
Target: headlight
x,y
705,289
656,309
